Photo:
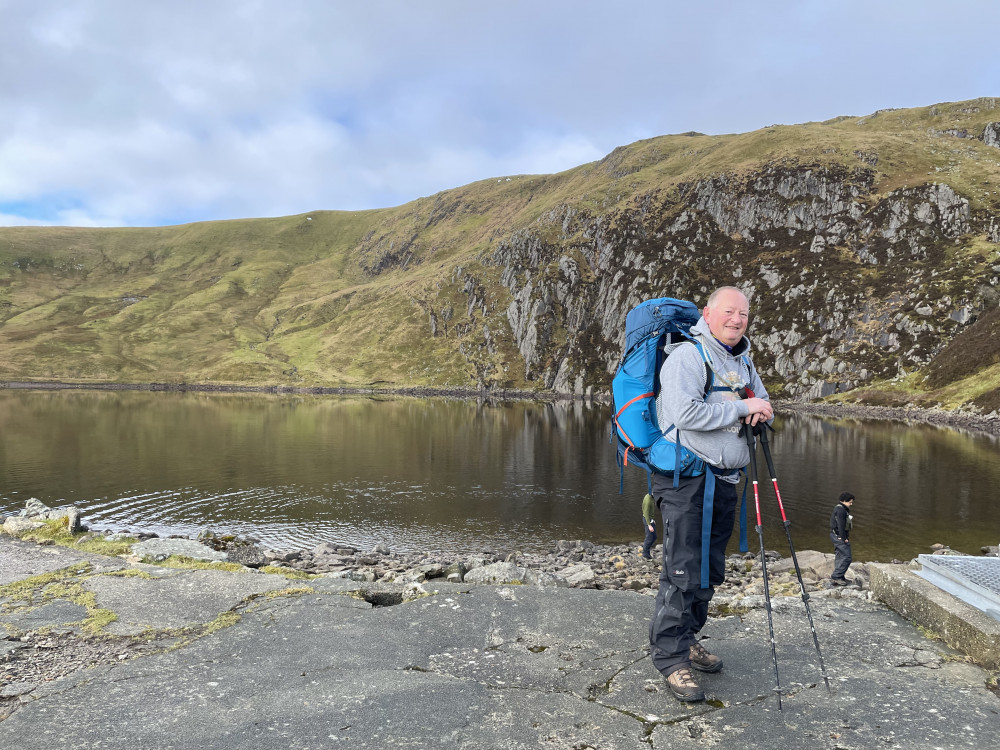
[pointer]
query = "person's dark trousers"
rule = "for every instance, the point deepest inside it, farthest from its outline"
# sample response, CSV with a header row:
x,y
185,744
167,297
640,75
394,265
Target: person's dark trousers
x,y
650,540
681,606
842,556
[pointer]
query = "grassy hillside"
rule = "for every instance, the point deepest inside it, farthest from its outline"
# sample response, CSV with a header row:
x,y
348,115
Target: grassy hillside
x,y
380,298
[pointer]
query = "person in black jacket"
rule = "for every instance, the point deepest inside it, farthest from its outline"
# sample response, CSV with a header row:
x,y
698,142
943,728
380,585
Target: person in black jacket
x,y
840,535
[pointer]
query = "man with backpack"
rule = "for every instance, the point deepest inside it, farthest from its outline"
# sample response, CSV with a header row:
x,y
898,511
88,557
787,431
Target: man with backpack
x,y
708,394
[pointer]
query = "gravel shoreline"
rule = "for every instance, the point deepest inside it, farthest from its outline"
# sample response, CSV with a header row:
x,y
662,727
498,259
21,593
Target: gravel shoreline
x,y
988,423
572,563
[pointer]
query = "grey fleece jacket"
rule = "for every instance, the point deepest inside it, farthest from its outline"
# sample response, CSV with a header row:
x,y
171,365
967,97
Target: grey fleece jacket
x,y
709,426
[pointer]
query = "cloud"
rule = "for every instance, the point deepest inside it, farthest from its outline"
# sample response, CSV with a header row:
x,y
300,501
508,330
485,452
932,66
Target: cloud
x,y
151,113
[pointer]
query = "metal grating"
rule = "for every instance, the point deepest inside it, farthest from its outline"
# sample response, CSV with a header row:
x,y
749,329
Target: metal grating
x,y
974,580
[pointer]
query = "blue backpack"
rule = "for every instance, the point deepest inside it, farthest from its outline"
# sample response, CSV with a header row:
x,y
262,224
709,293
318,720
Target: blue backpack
x,y
653,329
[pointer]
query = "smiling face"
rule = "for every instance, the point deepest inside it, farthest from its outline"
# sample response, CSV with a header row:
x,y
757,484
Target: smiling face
x,y
727,316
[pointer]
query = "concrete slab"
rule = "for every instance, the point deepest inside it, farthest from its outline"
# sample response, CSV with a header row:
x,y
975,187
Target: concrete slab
x,y
56,614
20,560
353,665
959,624
515,667
183,598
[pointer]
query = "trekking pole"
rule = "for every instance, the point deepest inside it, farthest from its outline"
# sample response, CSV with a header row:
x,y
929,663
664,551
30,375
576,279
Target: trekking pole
x,y
795,560
752,445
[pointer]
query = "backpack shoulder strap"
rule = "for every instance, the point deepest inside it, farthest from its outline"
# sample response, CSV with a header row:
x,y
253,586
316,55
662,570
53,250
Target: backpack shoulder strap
x,y
709,375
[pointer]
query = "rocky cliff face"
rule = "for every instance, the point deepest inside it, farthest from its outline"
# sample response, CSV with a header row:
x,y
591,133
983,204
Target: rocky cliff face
x,y
847,284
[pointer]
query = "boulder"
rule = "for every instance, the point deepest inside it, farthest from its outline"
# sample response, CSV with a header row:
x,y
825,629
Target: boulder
x,y
498,573
579,575
71,516
541,578
472,563
34,507
16,525
249,555
813,564
991,134
361,576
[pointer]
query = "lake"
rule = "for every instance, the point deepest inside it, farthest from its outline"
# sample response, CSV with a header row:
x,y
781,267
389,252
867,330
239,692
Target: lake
x,y
457,475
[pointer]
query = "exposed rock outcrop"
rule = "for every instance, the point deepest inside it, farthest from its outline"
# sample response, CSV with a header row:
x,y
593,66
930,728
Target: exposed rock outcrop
x,y
991,135
849,284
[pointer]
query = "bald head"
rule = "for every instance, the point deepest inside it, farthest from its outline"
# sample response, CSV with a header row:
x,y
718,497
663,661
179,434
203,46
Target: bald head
x,y
727,313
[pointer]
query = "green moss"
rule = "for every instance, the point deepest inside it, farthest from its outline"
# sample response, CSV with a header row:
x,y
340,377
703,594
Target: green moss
x,y
52,531
25,589
98,619
65,584
183,562
57,532
961,658
100,546
727,610
289,573
927,632
130,573
223,621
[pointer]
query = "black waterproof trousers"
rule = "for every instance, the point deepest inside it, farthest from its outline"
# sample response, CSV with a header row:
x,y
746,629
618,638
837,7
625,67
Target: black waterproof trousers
x,y
841,556
681,605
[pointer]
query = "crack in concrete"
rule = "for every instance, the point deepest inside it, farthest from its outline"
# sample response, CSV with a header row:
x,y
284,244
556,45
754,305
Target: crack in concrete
x,y
607,686
930,661
648,724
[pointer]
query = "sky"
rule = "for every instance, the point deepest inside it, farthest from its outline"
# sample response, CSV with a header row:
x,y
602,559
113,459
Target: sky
x,y
160,112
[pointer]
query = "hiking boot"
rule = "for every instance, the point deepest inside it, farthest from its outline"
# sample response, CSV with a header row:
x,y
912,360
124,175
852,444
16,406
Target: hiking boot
x,y
682,684
704,660
840,582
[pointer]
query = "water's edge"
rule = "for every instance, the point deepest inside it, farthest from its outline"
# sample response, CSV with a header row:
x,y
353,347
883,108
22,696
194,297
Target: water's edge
x,y
989,423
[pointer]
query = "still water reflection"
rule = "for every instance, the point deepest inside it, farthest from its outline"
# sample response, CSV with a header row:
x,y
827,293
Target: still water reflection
x,y
457,475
